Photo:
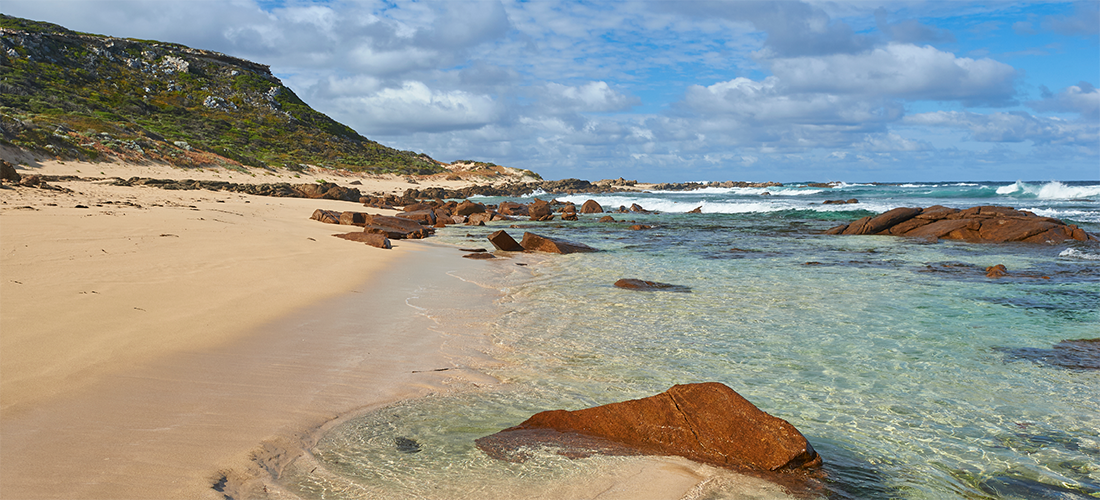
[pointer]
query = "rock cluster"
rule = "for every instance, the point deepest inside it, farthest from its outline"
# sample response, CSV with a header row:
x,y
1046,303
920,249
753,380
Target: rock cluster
x,y
707,422
984,224
327,190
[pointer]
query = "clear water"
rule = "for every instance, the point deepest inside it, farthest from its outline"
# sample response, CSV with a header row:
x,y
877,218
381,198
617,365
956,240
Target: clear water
x,y
899,360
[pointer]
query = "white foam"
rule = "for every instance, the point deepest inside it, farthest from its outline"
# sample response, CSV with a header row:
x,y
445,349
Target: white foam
x,y
1074,253
1052,190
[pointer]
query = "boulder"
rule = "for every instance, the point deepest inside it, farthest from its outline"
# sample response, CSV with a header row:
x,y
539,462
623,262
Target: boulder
x,y
468,207
479,219
540,210
395,227
423,217
326,216
707,422
996,271
8,172
640,227
696,210
327,191
591,207
606,218
983,224
634,207
353,218
535,243
503,241
512,208
649,286
372,239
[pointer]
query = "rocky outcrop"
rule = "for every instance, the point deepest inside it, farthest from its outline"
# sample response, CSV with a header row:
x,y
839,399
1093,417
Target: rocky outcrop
x,y
391,227
649,286
706,422
534,243
985,224
328,191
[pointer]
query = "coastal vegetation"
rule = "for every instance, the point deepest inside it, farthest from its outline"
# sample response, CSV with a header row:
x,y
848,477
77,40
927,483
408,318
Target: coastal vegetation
x,y
90,97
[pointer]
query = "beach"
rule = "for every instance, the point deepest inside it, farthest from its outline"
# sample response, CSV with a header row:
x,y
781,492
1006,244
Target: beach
x,y
203,344
158,337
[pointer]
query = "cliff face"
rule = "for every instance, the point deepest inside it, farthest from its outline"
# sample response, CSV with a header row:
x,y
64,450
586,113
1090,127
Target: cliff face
x,y
82,96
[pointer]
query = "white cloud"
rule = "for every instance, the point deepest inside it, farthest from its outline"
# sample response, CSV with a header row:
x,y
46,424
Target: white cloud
x,y
1012,127
1082,98
901,71
590,97
416,107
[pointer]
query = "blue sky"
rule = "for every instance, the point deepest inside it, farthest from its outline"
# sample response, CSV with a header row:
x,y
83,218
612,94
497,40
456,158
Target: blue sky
x,y
674,90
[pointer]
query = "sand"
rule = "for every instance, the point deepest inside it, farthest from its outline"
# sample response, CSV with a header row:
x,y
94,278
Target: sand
x,y
142,350
191,344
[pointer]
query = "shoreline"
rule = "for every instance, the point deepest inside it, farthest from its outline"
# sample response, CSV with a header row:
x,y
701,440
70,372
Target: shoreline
x,y
171,322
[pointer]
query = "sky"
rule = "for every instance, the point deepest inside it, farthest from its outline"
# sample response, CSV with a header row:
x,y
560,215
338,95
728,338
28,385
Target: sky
x,y
664,91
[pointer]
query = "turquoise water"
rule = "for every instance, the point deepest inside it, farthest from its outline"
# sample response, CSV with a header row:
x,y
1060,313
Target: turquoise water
x,y
903,365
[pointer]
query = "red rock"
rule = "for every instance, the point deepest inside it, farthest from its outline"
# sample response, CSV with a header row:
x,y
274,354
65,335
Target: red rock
x,y
326,216
372,239
540,210
606,218
696,210
468,207
591,207
983,224
512,208
535,243
640,227
996,271
353,218
395,227
503,241
706,422
638,208
425,217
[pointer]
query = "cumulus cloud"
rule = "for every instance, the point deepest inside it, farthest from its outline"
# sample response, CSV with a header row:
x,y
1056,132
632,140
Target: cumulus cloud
x,y
1082,98
769,102
909,30
1015,126
592,97
902,71
415,107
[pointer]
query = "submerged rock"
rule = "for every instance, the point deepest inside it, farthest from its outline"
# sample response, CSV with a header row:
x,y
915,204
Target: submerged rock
x,y
649,286
1079,354
707,422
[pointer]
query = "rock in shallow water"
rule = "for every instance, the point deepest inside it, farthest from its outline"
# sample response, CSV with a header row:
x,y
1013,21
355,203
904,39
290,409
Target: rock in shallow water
x,y
649,286
707,422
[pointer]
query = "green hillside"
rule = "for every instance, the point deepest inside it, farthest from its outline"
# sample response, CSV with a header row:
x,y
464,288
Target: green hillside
x,y
90,97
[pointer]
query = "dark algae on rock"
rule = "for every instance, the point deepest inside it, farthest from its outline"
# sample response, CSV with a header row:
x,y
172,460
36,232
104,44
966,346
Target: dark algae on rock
x,y
80,96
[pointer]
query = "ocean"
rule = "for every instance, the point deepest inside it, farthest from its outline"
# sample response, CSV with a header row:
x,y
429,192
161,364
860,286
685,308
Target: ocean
x,y
911,373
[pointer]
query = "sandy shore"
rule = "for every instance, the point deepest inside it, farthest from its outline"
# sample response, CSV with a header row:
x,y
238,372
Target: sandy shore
x,y
158,337
191,344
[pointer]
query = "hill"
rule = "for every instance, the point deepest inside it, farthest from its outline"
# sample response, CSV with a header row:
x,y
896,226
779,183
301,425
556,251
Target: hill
x,y
91,97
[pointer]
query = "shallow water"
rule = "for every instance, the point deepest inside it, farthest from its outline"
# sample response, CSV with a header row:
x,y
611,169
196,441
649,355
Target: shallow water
x,y
900,361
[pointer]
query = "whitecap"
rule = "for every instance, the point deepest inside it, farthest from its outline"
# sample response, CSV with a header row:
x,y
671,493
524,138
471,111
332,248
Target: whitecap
x,y
1074,253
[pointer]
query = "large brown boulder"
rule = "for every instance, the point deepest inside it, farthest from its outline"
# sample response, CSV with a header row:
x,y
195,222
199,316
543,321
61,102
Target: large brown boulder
x,y
984,224
540,210
503,241
395,227
512,208
424,217
591,207
327,191
535,243
707,422
468,207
